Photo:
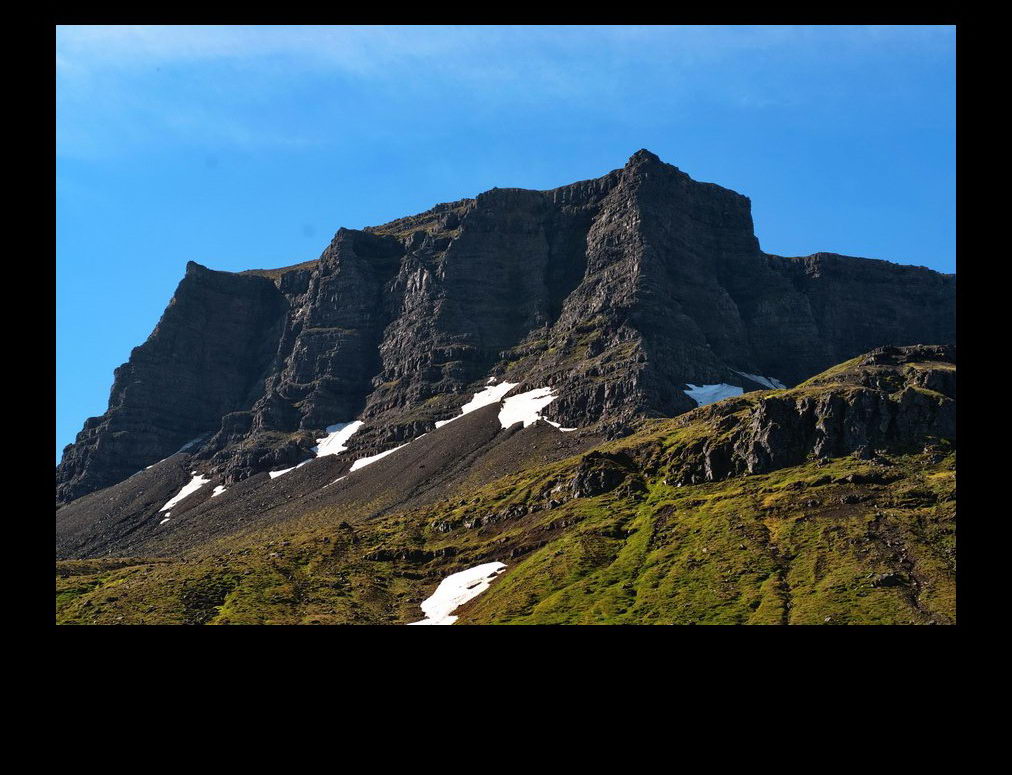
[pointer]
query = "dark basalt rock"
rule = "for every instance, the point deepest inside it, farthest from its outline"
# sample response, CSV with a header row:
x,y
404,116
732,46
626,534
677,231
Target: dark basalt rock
x,y
615,291
600,473
204,360
878,405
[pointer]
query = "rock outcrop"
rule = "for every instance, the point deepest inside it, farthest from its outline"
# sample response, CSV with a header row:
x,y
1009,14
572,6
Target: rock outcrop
x,y
616,292
895,399
205,359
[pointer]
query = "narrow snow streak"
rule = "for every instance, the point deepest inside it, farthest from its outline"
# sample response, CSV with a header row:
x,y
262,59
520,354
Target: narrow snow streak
x,y
489,395
558,425
195,484
455,590
188,444
183,448
770,382
218,490
708,394
362,462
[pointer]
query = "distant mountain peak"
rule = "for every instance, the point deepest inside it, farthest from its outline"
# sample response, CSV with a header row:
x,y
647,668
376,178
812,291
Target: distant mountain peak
x,y
643,157
618,293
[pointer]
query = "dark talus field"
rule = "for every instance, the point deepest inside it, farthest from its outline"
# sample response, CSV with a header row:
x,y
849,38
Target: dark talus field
x,y
279,451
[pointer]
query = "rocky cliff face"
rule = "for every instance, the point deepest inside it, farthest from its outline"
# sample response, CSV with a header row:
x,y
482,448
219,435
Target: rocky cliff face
x,y
898,399
204,359
617,292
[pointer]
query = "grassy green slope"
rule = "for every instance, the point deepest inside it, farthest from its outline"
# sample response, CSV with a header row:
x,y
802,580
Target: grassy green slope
x,y
800,546
843,540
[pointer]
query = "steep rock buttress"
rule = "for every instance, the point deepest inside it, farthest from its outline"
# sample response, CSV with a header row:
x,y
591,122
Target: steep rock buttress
x,y
619,293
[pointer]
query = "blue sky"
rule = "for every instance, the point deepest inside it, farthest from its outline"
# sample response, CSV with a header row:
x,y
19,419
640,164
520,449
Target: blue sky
x,y
248,147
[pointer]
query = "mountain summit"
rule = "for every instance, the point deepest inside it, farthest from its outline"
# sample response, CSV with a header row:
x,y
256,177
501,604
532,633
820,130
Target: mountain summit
x,y
639,294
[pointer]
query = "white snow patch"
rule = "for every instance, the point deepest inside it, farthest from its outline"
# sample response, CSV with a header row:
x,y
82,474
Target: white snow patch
x,y
457,589
708,394
770,382
195,484
164,521
491,381
334,443
218,490
336,440
335,481
489,395
362,462
526,407
559,426
276,474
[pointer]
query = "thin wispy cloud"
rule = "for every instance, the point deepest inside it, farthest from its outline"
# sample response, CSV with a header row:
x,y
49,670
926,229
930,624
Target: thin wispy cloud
x,y
370,49
122,88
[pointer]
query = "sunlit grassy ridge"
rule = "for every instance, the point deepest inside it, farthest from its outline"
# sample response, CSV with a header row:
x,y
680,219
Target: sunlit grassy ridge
x,y
799,546
844,540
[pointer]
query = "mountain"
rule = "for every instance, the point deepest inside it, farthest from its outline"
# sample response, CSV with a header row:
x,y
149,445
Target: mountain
x,y
618,294
597,404
832,502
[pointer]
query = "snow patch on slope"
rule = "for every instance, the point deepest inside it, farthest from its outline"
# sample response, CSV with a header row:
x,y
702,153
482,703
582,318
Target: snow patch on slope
x,y
195,484
770,382
455,590
708,394
489,395
218,490
558,425
526,408
334,443
336,440
362,462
